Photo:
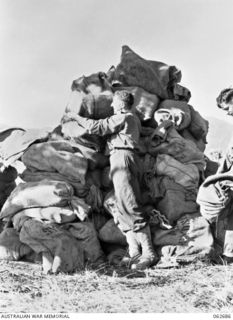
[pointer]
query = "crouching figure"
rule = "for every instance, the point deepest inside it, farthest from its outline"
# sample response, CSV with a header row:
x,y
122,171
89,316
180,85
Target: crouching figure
x,y
215,195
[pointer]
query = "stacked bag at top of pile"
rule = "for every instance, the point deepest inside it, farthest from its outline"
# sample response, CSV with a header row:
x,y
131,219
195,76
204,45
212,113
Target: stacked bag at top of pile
x,y
67,182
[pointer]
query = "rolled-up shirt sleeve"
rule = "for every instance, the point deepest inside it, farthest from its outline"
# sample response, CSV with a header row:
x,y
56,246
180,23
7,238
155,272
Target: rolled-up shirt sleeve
x,y
101,127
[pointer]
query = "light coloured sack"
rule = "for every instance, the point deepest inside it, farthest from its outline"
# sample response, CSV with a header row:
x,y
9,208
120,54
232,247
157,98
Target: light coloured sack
x,y
177,111
45,157
45,193
186,175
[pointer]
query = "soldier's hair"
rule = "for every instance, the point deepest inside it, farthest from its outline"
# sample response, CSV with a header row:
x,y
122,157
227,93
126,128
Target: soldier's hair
x,y
126,97
224,97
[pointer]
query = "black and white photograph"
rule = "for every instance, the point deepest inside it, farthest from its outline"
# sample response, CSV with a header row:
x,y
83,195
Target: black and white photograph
x,y
116,159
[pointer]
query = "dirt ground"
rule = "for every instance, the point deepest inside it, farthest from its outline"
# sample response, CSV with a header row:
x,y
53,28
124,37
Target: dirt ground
x,y
197,287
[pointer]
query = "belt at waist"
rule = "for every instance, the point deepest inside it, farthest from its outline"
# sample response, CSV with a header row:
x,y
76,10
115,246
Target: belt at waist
x,y
130,149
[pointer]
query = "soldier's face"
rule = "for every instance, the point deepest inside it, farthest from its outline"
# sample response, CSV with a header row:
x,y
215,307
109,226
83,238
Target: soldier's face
x,y
230,108
117,104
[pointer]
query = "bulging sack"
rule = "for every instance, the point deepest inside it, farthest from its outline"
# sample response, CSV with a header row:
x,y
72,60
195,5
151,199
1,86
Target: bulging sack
x,y
145,103
186,175
110,233
200,143
176,111
175,200
97,106
91,146
191,231
45,193
61,251
91,97
50,214
153,76
14,141
33,175
166,140
95,83
75,102
180,93
199,126
87,237
11,248
48,157
190,240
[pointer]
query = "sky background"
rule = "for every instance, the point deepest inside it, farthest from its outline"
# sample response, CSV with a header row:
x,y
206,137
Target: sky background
x,y
45,44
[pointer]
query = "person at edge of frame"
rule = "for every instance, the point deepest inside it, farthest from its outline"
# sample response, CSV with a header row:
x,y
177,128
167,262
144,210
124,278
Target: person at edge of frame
x,y
215,195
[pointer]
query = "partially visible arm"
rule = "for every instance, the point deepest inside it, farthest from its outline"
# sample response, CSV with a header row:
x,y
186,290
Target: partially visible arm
x,y
100,127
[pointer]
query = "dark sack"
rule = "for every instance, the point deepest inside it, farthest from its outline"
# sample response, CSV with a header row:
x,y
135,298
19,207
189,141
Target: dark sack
x,y
153,76
176,200
97,106
199,126
192,232
180,93
93,106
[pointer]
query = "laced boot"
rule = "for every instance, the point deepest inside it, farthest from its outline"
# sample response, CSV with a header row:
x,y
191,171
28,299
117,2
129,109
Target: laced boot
x,y
148,256
133,249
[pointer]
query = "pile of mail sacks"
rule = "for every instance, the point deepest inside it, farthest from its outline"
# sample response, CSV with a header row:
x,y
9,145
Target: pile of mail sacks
x,y
61,208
